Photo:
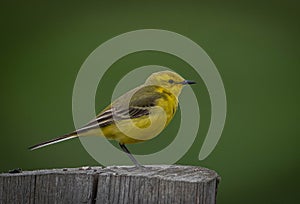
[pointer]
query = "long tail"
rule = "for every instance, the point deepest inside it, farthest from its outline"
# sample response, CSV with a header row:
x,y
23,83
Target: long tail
x,y
55,140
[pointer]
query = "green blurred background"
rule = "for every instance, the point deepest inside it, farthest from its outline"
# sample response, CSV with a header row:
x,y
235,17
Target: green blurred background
x,y
254,44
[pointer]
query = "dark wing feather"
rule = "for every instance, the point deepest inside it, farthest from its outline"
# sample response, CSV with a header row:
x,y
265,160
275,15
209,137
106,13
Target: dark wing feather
x,y
139,105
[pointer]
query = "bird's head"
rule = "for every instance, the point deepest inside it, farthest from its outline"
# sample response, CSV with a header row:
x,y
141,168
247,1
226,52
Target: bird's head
x,y
168,80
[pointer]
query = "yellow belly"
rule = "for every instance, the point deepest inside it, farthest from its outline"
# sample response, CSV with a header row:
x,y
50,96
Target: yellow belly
x,y
143,128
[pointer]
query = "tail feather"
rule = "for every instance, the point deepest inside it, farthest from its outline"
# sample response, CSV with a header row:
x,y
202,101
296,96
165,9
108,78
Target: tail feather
x,y
55,140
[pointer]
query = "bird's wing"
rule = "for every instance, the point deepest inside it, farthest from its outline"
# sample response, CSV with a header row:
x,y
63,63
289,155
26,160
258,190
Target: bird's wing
x,y
134,104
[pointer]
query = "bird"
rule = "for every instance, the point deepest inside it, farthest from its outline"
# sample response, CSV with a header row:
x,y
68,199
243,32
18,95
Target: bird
x,y
137,116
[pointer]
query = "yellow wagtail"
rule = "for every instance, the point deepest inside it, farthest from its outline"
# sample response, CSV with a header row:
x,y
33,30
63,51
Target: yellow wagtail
x,y
149,107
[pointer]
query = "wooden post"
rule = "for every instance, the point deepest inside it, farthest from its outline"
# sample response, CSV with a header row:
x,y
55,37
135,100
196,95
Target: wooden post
x,y
116,184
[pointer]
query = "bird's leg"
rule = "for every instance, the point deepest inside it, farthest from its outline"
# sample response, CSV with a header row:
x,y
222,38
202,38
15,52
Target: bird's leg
x,y
124,148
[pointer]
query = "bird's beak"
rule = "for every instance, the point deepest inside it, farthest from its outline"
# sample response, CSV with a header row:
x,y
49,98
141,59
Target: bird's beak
x,y
188,82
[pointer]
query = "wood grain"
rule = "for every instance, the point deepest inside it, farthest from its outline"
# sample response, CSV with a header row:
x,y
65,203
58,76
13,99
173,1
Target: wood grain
x,y
161,184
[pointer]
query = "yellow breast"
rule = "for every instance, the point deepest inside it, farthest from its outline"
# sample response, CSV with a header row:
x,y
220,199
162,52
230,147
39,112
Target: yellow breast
x,y
145,127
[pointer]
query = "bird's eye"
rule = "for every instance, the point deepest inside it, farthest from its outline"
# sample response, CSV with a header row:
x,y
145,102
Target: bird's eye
x,y
171,81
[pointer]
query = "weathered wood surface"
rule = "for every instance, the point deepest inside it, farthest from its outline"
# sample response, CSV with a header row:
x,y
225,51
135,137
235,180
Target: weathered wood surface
x,y
117,184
